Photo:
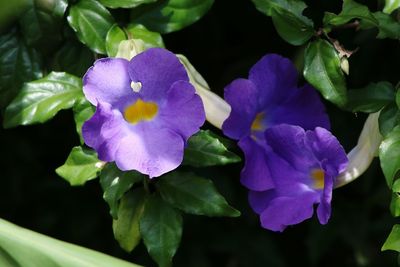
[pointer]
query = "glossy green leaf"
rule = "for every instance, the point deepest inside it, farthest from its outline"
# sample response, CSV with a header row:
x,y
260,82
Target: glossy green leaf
x,y
388,118
395,203
288,19
391,5
161,230
114,36
389,155
21,247
83,111
91,22
82,165
126,227
115,184
322,70
125,3
393,240
40,100
371,98
194,195
351,10
205,149
18,64
170,15
388,26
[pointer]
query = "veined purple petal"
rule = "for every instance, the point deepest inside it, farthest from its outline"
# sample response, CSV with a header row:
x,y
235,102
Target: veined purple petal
x,y
260,200
107,81
324,207
156,69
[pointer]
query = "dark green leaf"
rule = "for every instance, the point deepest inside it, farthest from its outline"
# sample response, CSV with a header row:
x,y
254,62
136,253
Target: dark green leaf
x,y
205,149
371,98
194,195
393,240
398,98
389,118
18,64
389,155
351,10
83,111
170,15
288,19
388,26
82,165
161,230
91,22
40,100
395,203
126,227
20,247
322,70
115,184
125,3
391,5
56,8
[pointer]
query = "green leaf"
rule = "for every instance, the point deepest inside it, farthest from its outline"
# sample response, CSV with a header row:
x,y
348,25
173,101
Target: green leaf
x,y
398,98
205,149
40,100
115,184
351,10
395,203
83,111
170,15
18,64
91,22
125,3
389,155
391,5
288,19
126,227
161,230
114,36
21,247
82,165
371,98
388,26
194,195
322,70
388,118
393,240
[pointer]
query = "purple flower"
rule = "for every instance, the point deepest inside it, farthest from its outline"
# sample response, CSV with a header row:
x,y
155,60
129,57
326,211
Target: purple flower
x,y
303,166
146,111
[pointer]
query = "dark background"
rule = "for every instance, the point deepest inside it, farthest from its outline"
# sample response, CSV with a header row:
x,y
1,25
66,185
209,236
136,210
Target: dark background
x,y
223,45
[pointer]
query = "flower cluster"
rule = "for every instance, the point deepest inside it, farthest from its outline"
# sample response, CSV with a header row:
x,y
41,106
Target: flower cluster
x,y
291,159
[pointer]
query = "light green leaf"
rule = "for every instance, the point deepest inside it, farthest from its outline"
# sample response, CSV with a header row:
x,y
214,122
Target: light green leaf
x,y
18,64
388,26
40,100
322,70
83,111
389,155
393,240
125,3
91,22
205,149
194,195
21,247
115,184
170,15
371,98
126,227
82,165
161,230
288,18
391,5
388,118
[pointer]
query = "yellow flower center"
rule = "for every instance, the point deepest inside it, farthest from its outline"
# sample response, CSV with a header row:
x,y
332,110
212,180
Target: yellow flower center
x,y
318,176
257,124
140,111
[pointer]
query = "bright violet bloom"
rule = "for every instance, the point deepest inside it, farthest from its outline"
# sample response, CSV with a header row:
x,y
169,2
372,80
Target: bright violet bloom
x,y
303,167
146,111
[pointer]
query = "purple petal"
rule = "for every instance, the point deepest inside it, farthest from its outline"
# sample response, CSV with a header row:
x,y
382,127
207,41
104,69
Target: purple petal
x,y
324,207
107,81
150,150
303,108
255,174
156,69
274,77
259,201
183,112
241,95
284,211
